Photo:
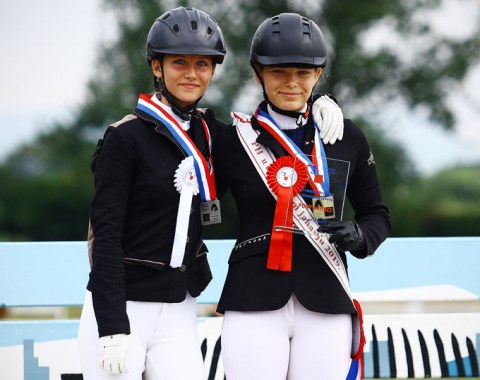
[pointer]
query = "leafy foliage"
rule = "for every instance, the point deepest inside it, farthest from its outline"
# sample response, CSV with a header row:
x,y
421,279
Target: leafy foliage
x,y
46,186
446,204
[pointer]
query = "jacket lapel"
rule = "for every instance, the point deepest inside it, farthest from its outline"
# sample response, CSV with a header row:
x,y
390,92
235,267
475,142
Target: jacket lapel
x,y
309,138
198,135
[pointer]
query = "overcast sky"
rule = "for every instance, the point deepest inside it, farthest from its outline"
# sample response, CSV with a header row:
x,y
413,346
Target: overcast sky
x,y
48,51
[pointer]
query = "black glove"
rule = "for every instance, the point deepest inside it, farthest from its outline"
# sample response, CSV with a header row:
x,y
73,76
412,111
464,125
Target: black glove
x,y
345,235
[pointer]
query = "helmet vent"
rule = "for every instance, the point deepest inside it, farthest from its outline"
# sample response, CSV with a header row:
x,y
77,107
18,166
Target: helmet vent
x,y
185,31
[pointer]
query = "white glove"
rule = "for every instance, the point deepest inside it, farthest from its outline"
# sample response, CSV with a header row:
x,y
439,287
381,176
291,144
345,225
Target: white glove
x,y
112,352
329,118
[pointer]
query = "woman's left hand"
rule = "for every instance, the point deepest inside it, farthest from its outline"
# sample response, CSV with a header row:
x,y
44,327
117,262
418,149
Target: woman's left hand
x,y
344,234
329,117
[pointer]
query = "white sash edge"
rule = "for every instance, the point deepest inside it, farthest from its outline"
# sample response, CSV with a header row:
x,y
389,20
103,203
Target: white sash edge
x,y
261,158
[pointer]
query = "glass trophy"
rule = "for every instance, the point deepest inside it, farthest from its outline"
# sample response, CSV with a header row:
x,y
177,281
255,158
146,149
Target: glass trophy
x,y
315,206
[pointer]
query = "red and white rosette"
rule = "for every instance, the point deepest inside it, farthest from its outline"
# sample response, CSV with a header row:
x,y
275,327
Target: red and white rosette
x,y
286,178
187,185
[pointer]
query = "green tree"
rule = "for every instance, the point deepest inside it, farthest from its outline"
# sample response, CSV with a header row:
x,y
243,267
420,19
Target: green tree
x,y
46,187
445,204
52,190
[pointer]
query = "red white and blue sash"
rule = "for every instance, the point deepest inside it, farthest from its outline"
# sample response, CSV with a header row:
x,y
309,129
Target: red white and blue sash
x,y
188,183
203,169
317,166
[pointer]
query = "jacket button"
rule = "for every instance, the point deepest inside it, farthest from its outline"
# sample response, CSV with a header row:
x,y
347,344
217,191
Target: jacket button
x,y
188,239
183,268
191,210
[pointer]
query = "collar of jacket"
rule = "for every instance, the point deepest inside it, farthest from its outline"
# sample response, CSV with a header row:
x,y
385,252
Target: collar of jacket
x,y
268,140
196,132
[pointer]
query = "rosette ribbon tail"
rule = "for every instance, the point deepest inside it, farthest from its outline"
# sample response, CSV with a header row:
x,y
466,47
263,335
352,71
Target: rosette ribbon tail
x,y
286,178
187,185
181,228
280,250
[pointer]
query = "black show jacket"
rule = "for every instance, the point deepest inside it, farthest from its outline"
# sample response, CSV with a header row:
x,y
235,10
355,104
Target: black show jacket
x,y
133,215
250,286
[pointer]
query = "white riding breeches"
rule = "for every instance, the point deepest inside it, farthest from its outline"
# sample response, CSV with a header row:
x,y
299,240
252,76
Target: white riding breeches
x,y
291,343
163,343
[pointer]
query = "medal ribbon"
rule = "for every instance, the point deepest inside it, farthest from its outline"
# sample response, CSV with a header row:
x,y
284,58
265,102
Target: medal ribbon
x,y
204,171
319,151
295,177
317,173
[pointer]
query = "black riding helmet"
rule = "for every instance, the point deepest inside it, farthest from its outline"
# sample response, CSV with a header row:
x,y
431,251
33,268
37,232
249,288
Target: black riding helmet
x,y
288,39
184,31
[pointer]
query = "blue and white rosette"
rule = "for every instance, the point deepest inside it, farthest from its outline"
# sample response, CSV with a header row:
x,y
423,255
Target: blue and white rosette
x,y
187,185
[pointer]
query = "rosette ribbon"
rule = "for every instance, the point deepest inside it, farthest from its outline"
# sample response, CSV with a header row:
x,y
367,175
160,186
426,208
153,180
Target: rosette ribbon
x,y
187,185
286,178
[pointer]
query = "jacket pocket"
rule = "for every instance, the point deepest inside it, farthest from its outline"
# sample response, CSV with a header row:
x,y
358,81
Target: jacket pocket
x,y
199,273
158,265
255,246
